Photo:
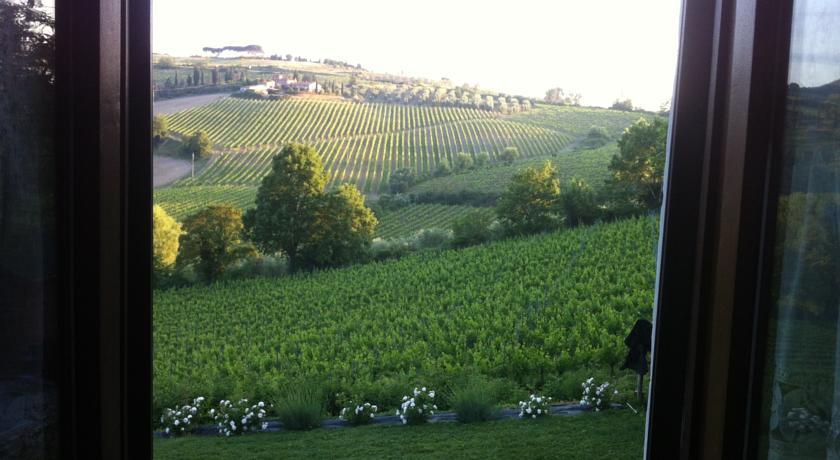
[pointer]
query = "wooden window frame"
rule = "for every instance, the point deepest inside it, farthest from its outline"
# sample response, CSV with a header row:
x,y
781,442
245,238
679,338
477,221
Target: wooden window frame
x,y
715,227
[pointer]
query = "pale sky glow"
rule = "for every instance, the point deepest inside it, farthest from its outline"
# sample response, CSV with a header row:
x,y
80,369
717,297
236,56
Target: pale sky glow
x,y
603,49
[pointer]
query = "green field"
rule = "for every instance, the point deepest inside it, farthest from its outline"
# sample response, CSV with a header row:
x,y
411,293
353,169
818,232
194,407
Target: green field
x,y
180,202
407,220
590,165
362,143
607,435
523,310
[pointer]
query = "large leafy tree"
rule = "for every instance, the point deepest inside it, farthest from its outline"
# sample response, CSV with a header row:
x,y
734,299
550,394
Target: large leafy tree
x,y
637,170
579,203
343,231
530,203
213,240
166,233
199,144
288,203
160,128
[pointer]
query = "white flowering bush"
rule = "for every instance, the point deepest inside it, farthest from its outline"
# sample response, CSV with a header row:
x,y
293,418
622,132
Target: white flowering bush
x,y
180,420
237,418
800,420
418,407
595,396
358,413
536,406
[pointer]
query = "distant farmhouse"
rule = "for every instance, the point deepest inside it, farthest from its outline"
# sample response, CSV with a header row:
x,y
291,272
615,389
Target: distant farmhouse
x,y
286,83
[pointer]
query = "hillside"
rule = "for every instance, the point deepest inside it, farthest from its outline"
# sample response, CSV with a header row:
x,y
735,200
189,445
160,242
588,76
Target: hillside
x,y
407,220
524,311
590,165
362,143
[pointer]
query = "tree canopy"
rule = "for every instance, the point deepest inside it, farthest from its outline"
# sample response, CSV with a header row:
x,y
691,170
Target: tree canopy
x,y
295,215
166,233
637,170
199,144
212,240
530,203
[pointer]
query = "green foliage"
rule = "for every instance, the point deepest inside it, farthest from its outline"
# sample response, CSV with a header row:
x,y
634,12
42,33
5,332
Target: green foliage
x,y
638,169
443,168
471,228
165,234
401,180
300,408
342,232
165,62
596,137
482,159
579,203
212,240
160,128
474,401
509,155
180,202
408,219
199,144
288,203
463,161
523,310
625,105
432,238
529,205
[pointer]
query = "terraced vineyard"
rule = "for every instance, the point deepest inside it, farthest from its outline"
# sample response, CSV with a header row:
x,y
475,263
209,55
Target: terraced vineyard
x,y
525,310
362,143
407,220
590,165
180,202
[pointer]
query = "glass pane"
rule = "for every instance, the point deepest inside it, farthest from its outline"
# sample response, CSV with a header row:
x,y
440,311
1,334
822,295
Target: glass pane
x,y
28,326
382,196
802,385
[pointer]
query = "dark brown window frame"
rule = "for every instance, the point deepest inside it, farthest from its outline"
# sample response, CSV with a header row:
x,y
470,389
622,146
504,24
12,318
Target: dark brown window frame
x,y
715,226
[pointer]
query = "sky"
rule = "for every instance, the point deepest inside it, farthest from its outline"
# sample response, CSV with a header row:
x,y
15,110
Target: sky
x,y
814,49
603,49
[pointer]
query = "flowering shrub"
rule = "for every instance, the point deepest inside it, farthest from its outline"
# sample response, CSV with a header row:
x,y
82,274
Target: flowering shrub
x,y
535,406
417,408
800,421
358,414
598,397
180,420
237,418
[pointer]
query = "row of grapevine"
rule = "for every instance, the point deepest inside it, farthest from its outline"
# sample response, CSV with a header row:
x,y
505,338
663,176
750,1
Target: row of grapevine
x,y
243,123
589,165
368,160
524,310
180,202
407,220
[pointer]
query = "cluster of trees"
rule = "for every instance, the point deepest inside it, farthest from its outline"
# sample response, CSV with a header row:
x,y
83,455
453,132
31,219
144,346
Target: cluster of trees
x,y
559,97
422,94
295,217
625,105
401,180
248,49
201,75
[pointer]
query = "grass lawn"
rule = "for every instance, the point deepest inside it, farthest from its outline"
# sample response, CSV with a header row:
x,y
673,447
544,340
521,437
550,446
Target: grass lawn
x,y
612,435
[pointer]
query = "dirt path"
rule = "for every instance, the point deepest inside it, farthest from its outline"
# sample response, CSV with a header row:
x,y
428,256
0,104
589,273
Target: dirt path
x,y
168,106
167,170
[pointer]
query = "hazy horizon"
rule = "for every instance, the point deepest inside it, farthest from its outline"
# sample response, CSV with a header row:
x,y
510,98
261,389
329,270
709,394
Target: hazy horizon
x,y
523,49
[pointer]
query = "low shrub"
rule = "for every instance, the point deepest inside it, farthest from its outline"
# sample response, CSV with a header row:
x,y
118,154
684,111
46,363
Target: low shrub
x,y
474,401
432,238
181,420
536,406
237,418
358,413
417,408
597,397
300,409
471,229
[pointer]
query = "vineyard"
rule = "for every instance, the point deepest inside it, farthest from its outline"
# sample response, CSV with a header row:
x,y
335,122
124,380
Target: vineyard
x,y
180,202
523,310
407,220
590,165
363,143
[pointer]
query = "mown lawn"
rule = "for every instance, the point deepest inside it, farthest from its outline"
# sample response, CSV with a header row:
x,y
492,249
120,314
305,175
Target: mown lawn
x,y
608,435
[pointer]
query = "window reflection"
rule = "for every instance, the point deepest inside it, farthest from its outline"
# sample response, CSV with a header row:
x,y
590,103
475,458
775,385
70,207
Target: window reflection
x,y
802,390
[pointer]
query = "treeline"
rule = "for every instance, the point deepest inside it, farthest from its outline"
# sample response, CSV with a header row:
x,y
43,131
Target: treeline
x,y
422,94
